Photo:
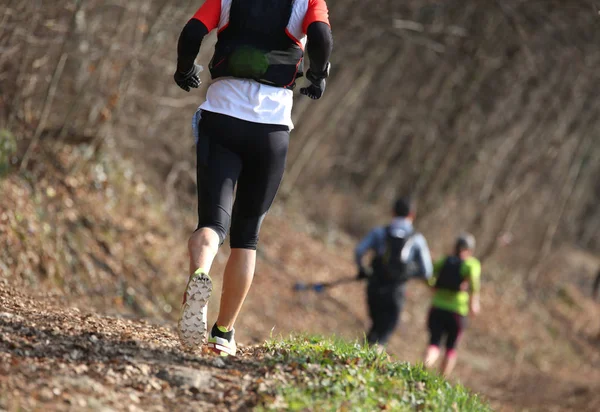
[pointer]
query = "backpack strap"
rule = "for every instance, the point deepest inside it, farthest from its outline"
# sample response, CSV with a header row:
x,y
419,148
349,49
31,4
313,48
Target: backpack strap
x,y
450,276
392,266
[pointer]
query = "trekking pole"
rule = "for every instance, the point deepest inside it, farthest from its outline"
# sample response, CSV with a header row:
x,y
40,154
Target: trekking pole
x,y
321,286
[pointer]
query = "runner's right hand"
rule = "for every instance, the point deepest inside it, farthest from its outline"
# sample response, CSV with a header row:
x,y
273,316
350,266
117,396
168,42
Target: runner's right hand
x,y
190,79
474,306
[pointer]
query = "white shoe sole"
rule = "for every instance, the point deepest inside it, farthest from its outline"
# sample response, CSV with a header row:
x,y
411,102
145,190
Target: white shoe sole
x,y
193,319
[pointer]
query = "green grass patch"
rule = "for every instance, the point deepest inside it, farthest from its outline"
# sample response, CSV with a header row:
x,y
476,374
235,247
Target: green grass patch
x,y
332,374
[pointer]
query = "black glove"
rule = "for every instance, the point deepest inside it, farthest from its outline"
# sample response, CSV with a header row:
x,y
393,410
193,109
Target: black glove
x,y
362,274
317,80
188,80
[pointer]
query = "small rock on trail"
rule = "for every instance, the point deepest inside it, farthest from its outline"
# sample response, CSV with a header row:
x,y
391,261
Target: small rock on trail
x,y
183,376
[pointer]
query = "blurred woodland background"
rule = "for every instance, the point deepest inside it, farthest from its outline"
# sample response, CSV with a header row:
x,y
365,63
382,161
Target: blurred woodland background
x,y
487,111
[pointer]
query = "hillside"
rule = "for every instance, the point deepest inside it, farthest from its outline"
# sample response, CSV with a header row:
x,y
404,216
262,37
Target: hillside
x,y
485,109
107,243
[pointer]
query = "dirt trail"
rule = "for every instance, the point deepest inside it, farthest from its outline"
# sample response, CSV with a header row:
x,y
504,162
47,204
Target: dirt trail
x,y
55,358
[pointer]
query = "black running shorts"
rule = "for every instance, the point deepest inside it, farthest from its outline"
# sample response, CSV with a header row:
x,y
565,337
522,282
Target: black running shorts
x,y
234,152
443,323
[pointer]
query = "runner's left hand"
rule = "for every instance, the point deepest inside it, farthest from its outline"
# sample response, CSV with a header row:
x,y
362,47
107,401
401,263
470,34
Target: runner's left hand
x,y
190,79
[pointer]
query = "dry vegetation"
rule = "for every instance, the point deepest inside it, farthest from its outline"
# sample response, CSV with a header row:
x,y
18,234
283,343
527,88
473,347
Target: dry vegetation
x,y
487,110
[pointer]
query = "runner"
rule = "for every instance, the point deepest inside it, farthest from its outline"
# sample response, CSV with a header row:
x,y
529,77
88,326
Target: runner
x,y
242,132
400,253
456,294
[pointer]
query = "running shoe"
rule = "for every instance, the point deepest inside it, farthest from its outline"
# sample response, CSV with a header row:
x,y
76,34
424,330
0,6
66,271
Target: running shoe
x,y
192,323
221,341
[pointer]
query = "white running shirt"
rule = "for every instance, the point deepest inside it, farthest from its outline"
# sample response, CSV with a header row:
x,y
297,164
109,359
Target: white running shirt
x,y
246,99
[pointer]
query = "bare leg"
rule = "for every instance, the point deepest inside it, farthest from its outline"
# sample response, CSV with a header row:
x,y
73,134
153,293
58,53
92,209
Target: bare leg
x,y
237,279
449,362
203,247
431,355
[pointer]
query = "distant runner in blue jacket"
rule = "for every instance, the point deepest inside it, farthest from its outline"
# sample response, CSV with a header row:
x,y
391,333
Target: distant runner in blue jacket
x,y
400,253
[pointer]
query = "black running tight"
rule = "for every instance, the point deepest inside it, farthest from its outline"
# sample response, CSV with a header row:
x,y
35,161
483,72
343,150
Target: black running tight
x,y
231,151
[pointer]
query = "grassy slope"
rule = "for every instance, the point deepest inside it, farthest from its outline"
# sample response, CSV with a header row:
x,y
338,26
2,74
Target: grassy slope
x,y
334,374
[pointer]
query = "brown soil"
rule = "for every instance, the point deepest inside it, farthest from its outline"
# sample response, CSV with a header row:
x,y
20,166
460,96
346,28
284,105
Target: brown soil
x,y
64,358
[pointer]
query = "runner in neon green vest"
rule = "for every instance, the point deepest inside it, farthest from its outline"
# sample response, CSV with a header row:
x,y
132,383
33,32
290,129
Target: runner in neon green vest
x,y
455,282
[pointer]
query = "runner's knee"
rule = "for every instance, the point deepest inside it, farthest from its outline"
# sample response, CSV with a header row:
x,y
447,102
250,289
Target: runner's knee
x,y
433,348
207,236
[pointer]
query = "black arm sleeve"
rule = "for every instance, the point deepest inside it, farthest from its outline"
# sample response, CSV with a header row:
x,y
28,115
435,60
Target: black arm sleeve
x,y
320,44
189,43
